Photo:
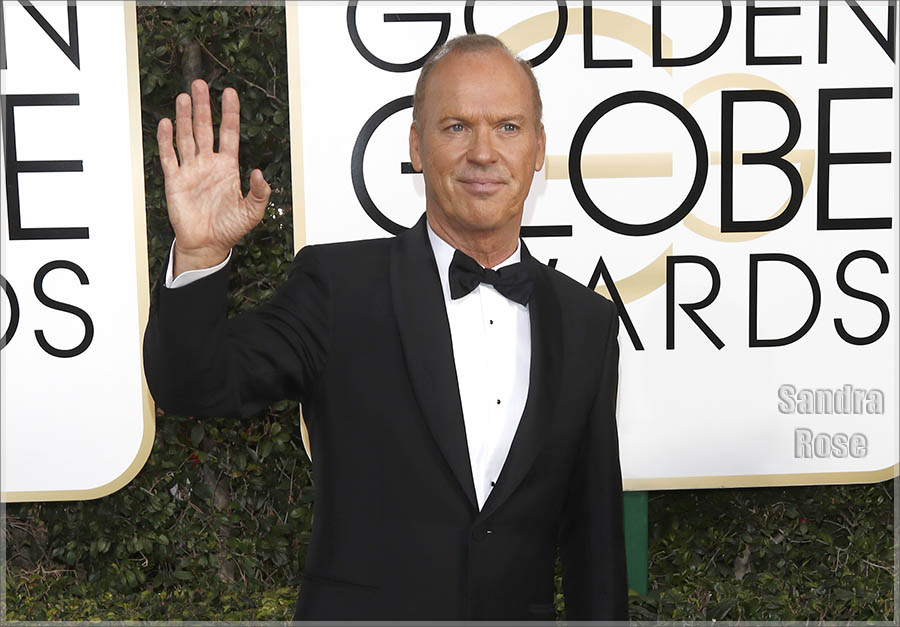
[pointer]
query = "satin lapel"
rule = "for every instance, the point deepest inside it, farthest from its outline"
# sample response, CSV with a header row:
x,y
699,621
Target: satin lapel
x,y
425,335
543,385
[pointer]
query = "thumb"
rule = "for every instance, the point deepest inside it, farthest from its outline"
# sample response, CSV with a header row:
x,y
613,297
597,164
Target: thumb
x,y
258,197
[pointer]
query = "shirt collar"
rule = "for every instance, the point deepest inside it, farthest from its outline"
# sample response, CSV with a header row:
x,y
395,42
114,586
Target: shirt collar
x,y
443,255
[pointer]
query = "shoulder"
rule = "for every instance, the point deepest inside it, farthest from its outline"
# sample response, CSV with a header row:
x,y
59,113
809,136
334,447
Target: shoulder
x,y
337,252
338,258
349,271
577,298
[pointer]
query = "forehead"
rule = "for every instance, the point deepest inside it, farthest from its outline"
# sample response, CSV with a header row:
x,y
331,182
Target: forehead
x,y
478,83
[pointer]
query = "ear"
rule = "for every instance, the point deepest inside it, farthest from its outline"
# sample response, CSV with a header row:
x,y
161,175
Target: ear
x,y
415,156
541,150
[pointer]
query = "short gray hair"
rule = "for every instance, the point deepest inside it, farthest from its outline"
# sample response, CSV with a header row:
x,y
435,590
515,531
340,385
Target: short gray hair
x,y
467,44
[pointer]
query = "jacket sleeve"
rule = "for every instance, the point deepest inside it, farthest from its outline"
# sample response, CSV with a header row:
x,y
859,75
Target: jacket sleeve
x,y
592,537
200,363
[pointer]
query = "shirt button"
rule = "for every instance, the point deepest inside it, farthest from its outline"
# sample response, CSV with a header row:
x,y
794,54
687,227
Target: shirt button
x,y
491,321
498,401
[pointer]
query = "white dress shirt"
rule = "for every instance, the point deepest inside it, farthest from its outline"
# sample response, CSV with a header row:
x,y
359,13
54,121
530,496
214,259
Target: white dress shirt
x,y
491,338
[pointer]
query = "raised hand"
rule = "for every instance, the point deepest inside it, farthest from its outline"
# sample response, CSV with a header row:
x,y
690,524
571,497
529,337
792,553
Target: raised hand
x,y
203,192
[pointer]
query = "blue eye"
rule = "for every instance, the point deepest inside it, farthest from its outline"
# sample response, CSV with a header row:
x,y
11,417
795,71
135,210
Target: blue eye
x,y
510,127
457,128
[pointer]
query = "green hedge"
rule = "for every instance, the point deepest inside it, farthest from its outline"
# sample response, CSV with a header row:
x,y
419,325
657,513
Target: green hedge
x,y
217,523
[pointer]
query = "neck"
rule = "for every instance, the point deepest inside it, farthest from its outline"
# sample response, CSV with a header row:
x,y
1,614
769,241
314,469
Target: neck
x,y
488,247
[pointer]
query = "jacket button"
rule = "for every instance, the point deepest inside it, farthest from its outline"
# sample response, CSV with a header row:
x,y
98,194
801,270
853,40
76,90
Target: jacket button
x,y
480,533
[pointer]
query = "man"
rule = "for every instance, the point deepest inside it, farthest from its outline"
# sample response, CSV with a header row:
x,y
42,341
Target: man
x,y
462,421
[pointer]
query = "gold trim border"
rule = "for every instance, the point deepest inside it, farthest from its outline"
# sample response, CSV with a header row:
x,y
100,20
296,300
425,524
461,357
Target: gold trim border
x,y
143,284
295,120
298,207
761,481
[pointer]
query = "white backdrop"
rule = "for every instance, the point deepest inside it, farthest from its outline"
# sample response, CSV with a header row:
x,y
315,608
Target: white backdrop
x,y
696,408
694,414
77,421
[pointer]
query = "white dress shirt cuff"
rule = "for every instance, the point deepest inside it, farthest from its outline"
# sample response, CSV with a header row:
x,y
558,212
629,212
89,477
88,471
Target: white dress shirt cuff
x,y
189,276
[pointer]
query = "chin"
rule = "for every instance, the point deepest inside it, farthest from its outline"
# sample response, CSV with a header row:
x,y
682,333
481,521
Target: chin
x,y
486,219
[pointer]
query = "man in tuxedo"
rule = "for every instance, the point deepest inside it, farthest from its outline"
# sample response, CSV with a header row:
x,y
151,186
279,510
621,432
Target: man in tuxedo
x,y
460,396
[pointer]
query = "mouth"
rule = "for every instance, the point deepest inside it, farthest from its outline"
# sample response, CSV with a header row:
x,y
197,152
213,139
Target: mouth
x,y
480,186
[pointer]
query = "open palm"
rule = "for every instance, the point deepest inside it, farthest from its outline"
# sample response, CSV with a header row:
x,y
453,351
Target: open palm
x,y
203,192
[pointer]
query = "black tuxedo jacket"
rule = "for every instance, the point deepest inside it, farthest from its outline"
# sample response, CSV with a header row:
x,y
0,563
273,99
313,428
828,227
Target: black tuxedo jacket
x,y
359,334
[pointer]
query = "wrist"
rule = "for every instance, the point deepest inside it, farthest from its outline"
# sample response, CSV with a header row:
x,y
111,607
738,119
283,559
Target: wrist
x,y
184,260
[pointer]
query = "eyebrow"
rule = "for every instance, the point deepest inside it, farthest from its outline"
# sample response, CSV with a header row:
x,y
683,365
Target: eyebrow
x,y
515,117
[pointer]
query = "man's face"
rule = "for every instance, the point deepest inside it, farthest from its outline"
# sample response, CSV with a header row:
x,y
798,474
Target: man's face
x,y
477,143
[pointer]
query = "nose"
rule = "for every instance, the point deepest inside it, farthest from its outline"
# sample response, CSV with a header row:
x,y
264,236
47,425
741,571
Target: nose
x,y
481,148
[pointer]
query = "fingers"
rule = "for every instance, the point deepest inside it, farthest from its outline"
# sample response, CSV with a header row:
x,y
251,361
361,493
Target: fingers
x,y
258,196
184,134
167,157
230,129
202,125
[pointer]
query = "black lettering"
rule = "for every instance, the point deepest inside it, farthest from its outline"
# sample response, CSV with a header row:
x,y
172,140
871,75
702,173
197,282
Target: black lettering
x,y
690,308
828,158
859,294
588,28
10,331
823,31
70,48
773,158
396,18
755,259
359,153
562,23
703,55
600,270
64,307
886,43
558,230
752,12
14,167
577,181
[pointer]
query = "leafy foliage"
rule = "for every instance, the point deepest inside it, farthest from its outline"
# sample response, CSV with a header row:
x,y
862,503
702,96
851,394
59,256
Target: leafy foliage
x,y
803,553
217,523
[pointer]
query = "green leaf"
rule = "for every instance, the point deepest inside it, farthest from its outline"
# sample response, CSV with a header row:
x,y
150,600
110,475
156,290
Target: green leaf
x,y
197,434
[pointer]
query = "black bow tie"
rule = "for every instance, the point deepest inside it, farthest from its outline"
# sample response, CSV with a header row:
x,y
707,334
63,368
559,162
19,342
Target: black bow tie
x,y
513,281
